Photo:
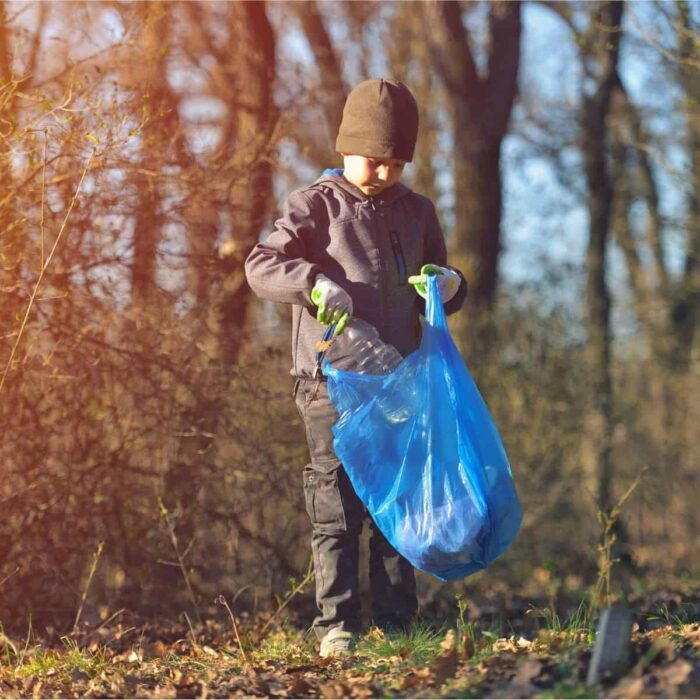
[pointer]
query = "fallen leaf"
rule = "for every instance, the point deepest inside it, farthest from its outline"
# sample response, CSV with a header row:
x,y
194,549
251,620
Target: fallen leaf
x,y
445,664
675,674
334,689
628,688
157,649
467,645
415,678
77,675
131,681
321,663
517,645
526,671
300,687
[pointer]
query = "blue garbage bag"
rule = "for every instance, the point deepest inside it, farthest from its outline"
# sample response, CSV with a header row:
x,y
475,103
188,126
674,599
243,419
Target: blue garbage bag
x,y
425,457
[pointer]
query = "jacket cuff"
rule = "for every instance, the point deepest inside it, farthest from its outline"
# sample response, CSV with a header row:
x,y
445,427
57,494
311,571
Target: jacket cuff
x,y
457,301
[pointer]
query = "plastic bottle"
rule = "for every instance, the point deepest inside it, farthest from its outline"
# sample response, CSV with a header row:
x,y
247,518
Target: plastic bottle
x,y
359,349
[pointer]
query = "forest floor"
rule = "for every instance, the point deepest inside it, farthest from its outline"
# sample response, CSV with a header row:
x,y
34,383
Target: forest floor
x,y
268,656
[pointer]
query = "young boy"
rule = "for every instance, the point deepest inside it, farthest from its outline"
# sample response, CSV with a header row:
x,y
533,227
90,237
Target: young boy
x,y
347,246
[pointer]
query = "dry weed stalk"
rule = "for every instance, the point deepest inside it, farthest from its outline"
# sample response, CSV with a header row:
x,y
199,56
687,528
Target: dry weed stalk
x,y
165,515
221,600
95,561
608,519
296,589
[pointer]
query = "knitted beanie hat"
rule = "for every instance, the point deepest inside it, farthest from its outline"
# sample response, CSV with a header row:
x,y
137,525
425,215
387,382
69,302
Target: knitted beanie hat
x,y
380,120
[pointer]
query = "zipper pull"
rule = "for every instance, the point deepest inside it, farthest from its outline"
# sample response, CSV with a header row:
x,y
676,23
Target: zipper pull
x,y
371,201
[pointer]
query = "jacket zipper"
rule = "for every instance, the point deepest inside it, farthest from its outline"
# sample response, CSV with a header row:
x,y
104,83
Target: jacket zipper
x,y
398,254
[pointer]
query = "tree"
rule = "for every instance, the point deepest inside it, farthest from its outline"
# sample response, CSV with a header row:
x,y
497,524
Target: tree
x,y
480,103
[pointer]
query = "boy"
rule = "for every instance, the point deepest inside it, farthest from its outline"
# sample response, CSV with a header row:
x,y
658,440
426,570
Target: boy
x,y
346,246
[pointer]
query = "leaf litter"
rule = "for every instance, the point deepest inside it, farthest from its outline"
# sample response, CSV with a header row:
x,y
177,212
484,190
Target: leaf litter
x,y
173,662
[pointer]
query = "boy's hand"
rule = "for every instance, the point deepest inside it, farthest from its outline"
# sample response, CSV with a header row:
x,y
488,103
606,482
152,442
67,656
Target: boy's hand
x,y
334,303
448,281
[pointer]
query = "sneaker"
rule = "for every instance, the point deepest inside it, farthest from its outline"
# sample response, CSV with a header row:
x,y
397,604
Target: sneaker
x,y
337,642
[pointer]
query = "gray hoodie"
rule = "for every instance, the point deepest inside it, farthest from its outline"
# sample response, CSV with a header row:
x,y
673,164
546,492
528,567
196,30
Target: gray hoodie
x,y
367,245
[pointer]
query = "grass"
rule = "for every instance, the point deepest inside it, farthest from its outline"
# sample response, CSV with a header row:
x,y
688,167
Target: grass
x,y
569,689
286,645
670,619
576,629
40,661
417,646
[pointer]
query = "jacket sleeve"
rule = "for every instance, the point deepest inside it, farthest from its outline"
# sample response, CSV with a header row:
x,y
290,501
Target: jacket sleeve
x,y
436,253
277,269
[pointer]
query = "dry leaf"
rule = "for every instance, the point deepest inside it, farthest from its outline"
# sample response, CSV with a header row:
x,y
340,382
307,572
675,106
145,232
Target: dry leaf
x,y
628,688
412,679
467,645
300,687
157,649
526,671
675,674
77,675
445,664
335,689
516,645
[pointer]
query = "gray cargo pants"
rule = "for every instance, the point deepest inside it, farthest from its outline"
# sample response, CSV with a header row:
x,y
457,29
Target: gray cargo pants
x,y
337,515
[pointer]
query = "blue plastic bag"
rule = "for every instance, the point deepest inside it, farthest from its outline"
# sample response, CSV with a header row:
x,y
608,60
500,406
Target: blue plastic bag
x,y
425,457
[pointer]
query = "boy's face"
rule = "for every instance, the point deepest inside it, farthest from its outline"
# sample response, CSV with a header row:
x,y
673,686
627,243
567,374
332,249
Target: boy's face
x,y
372,175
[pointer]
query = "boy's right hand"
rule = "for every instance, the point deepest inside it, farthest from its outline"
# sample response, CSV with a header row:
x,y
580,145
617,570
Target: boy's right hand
x,y
334,303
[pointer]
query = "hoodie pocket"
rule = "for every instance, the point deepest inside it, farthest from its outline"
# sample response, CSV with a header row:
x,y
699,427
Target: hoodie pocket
x,y
399,257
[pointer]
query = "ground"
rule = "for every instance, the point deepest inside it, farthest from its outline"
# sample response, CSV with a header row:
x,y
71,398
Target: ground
x,y
270,657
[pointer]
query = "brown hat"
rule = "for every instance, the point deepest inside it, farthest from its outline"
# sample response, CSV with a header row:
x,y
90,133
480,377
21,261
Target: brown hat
x,y
380,120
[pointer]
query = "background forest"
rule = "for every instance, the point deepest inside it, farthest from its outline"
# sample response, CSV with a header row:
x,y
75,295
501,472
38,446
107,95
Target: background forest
x,y
145,399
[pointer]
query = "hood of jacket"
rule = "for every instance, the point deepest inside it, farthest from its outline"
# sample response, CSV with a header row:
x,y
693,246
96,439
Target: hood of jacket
x,y
334,178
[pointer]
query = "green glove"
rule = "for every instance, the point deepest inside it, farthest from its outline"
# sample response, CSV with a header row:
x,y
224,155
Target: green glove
x,y
448,281
334,303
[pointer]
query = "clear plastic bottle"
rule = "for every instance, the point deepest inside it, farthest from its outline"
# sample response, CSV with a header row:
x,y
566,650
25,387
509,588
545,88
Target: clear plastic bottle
x,y
359,349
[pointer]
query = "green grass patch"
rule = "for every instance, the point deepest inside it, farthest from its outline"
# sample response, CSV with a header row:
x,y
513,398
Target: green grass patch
x,y
284,645
417,646
40,662
569,689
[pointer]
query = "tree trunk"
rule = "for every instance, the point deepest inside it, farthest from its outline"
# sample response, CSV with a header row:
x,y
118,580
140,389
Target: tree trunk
x,y
686,308
600,193
480,108
251,199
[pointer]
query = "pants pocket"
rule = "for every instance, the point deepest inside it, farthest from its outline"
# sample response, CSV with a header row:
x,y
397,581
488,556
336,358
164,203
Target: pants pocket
x,y
324,503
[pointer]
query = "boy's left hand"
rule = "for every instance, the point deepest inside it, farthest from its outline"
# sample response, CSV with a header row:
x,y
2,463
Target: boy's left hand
x,y
448,281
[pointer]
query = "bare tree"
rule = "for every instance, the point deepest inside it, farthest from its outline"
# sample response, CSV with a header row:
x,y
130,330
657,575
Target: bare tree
x,y
480,104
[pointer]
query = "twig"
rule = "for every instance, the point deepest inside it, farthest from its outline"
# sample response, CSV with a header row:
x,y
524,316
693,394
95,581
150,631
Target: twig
x,y
12,573
43,270
43,194
180,558
195,643
26,644
95,561
297,589
221,600
110,618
